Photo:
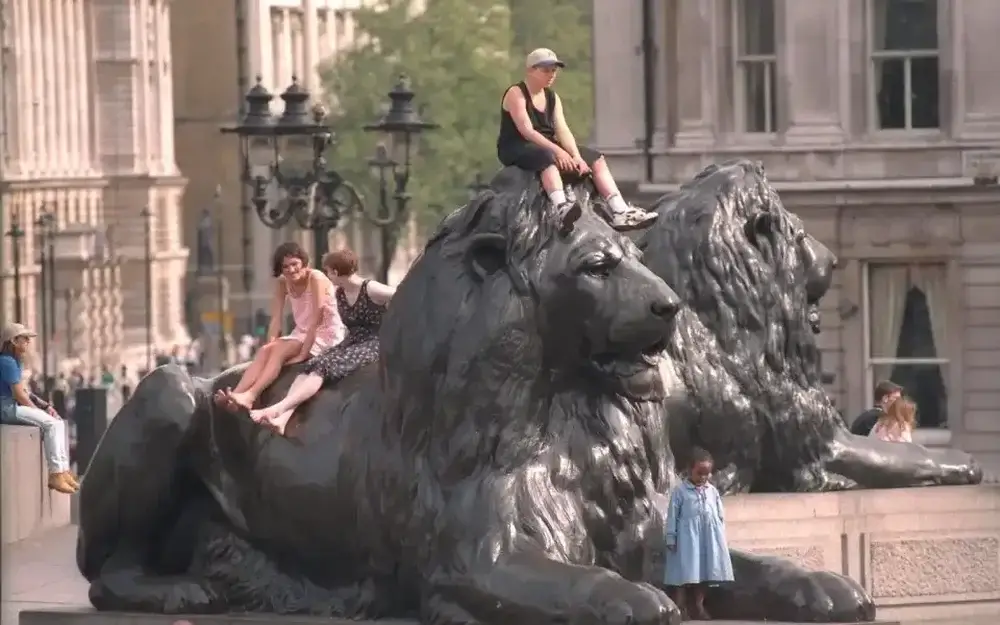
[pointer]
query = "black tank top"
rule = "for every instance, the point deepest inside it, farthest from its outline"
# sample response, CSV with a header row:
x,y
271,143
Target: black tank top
x,y
544,123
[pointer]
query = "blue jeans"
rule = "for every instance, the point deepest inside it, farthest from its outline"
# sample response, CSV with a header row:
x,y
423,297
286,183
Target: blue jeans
x,y
54,440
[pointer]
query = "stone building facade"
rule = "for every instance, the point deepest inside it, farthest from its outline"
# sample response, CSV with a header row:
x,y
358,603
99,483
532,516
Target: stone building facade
x,y
879,123
87,138
276,40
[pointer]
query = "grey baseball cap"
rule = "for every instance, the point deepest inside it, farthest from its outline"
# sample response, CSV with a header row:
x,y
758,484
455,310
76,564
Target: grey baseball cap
x,y
13,331
543,57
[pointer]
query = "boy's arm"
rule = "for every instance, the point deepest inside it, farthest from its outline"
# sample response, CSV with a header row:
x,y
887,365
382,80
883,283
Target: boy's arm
x,y
515,104
563,133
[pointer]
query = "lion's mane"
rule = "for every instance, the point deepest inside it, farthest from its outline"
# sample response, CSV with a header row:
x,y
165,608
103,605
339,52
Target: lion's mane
x,y
477,408
744,348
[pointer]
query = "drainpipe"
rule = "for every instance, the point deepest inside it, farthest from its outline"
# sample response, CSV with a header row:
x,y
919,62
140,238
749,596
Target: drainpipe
x,y
648,83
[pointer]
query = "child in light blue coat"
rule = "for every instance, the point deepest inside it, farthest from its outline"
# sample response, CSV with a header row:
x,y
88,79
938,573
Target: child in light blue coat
x,y
697,553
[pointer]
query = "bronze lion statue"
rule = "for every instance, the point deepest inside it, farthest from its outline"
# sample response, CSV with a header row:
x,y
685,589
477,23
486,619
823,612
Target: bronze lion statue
x,y
499,464
743,368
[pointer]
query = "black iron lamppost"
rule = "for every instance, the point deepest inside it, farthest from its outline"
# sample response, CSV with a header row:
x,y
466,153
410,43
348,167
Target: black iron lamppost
x,y
16,234
391,165
147,216
46,224
477,186
287,153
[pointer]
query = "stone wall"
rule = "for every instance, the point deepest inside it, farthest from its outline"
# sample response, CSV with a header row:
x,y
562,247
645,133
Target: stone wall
x,y
923,553
28,506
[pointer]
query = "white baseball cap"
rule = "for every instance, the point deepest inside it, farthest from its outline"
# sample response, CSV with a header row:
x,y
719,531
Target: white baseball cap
x,y
13,331
543,57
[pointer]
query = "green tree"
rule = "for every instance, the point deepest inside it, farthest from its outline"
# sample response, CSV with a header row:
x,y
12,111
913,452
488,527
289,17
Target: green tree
x,y
460,55
456,54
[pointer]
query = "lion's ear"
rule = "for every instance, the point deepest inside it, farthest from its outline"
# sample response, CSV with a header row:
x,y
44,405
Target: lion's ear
x,y
760,225
485,255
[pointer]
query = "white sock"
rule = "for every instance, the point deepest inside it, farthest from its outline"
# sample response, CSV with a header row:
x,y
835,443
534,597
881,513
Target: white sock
x,y
558,197
617,203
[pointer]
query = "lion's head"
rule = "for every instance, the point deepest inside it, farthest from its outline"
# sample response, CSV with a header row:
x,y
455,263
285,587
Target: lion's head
x,y
752,278
508,308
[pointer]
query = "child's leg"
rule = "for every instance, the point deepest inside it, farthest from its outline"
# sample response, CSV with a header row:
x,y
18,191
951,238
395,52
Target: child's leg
x,y
698,609
281,352
680,598
553,184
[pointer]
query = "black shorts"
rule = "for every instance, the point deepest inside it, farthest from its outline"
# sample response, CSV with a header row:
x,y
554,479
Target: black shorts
x,y
531,157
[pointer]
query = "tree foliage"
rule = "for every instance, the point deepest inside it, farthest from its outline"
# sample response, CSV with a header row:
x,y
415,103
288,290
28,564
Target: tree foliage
x,y
460,55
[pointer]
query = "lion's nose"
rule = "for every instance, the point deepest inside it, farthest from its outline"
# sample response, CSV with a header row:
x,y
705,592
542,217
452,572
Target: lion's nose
x,y
666,306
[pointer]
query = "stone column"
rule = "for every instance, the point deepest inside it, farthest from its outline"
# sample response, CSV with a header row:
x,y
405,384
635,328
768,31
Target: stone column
x,y
84,114
32,78
973,48
310,31
809,41
61,78
699,34
47,100
73,101
618,120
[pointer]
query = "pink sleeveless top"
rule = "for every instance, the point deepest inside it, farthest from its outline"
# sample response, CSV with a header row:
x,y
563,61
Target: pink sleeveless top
x,y
331,329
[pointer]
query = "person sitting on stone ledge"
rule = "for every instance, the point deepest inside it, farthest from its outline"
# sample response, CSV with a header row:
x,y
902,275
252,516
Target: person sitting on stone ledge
x,y
534,136
18,407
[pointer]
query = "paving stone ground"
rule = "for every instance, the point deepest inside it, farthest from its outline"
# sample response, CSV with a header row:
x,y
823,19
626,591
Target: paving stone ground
x,y
40,574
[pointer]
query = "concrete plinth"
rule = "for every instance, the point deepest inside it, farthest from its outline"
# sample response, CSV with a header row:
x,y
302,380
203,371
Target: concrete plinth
x,y
83,617
28,506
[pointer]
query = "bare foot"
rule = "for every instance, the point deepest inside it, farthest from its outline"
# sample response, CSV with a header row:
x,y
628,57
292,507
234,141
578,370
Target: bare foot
x,y
279,423
241,400
263,415
221,397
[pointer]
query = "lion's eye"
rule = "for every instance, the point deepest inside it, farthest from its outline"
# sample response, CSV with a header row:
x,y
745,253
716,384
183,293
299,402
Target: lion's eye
x,y
600,268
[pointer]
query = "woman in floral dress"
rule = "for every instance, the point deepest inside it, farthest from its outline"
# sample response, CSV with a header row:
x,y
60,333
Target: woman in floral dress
x,y
361,304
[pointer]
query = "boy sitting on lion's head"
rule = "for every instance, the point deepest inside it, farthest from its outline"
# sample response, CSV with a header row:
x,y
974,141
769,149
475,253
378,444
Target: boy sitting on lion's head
x,y
534,136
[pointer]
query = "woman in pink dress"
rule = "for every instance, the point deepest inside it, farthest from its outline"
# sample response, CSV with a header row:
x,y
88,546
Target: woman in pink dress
x,y
317,325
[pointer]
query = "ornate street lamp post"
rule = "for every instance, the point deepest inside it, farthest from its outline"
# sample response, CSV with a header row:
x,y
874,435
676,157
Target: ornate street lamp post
x,y
391,166
287,155
46,224
16,234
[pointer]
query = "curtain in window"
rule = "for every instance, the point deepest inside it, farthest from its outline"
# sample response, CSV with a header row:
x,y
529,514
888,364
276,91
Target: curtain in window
x,y
887,287
932,281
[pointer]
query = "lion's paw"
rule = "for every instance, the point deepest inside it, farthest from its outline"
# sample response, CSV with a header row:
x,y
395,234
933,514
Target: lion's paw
x,y
617,601
831,598
132,591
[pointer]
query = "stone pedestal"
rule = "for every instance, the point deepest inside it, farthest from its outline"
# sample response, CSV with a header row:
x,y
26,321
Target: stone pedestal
x,y
28,506
211,298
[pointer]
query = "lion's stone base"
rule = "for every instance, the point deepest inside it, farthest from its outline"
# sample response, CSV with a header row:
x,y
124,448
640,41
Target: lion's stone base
x,y
926,555
85,617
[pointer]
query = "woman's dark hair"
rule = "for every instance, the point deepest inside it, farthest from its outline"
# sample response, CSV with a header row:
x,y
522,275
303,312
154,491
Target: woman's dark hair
x,y
699,455
289,249
7,349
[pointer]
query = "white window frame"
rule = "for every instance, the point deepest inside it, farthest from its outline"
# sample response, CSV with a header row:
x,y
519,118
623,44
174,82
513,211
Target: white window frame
x,y
740,63
874,56
923,436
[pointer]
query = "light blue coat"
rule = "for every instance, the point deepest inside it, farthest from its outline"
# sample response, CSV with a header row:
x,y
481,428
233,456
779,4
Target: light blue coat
x,y
695,526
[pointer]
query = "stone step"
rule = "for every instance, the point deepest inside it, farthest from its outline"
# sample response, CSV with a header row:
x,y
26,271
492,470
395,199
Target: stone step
x,y
91,617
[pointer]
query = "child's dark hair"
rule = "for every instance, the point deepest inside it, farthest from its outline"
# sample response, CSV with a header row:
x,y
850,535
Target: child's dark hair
x,y
289,249
699,455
